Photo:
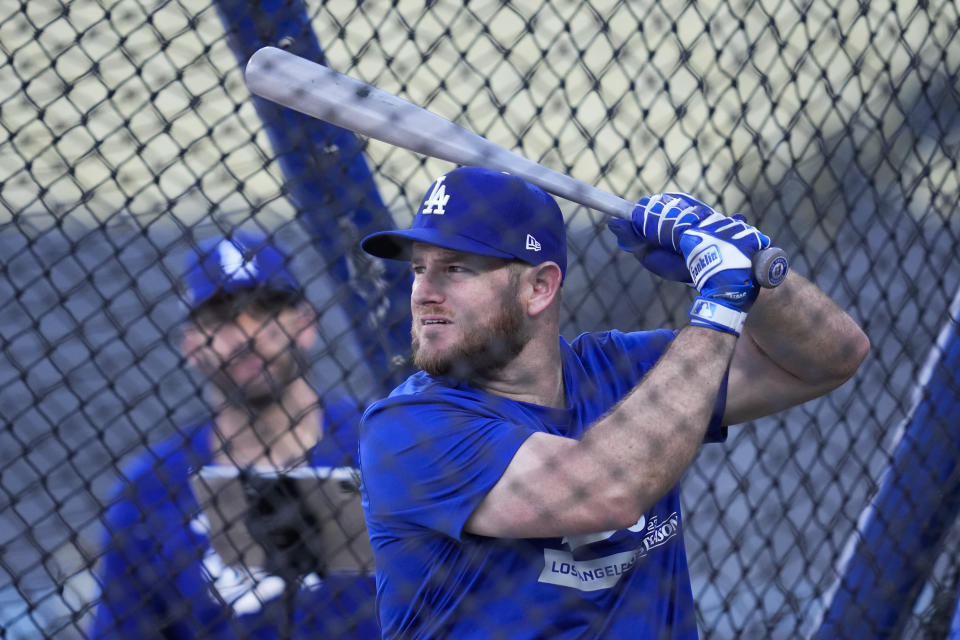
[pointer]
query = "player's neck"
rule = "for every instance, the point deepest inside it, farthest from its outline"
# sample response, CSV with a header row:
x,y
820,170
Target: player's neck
x,y
534,376
278,435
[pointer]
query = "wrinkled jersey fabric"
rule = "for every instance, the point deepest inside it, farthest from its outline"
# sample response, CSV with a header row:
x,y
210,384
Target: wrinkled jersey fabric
x,y
432,450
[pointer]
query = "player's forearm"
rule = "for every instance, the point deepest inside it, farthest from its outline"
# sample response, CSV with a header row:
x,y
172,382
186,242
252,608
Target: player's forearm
x,y
805,333
649,439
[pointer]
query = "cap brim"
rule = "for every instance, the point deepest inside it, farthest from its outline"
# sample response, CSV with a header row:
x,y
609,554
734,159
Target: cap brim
x,y
396,245
200,298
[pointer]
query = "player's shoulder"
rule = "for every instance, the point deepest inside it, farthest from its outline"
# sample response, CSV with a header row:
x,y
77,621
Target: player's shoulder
x,y
607,364
178,452
422,389
152,474
422,382
650,343
417,405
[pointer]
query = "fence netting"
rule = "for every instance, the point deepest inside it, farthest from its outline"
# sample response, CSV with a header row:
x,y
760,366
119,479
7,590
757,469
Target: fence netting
x,y
129,142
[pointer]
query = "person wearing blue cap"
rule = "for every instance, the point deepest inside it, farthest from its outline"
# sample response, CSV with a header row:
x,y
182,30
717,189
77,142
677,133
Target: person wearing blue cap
x,y
248,330
522,486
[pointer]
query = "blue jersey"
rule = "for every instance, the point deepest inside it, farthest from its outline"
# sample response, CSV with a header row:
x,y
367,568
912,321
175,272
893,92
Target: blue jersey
x,y
161,578
431,451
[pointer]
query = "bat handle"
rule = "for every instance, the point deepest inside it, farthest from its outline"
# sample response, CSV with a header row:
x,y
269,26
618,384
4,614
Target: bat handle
x,y
770,267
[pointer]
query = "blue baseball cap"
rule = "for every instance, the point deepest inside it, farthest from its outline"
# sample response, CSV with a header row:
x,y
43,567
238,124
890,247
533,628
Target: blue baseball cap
x,y
242,262
481,211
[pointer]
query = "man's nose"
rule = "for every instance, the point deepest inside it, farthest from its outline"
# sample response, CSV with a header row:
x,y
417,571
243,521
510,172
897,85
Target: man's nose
x,y
239,336
426,289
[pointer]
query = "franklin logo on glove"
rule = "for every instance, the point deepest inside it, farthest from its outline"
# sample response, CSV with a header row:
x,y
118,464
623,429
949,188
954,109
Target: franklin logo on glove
x,y
703,261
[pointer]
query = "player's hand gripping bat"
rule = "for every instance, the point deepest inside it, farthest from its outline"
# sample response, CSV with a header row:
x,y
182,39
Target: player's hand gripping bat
x,y
346,102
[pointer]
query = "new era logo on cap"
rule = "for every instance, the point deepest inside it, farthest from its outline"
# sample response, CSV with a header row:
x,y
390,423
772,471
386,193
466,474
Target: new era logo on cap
x,y
532,244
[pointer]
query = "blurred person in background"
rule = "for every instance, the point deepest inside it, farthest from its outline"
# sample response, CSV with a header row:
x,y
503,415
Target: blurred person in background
x,y
248,332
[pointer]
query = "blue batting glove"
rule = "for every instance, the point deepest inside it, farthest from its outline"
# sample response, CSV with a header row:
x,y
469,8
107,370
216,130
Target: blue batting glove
x,y
666,264
662,218
719,254
653,233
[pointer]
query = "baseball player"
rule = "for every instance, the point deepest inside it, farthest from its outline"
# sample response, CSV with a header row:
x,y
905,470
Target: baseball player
x,y
523,486
247,331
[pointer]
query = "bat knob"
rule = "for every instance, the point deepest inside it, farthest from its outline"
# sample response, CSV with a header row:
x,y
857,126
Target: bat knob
x,y
770,267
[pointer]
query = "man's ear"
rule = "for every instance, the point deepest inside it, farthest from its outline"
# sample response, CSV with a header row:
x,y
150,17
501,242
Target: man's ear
x,y
192,338
544,281
305,328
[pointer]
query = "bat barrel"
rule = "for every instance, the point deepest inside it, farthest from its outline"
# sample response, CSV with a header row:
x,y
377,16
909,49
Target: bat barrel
x,y
321,92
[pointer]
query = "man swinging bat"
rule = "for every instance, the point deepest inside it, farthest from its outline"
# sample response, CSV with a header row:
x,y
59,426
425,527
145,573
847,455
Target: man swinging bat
x,y
523,486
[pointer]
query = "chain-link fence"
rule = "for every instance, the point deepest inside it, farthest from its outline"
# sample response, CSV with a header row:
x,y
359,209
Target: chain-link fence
x,y
129,139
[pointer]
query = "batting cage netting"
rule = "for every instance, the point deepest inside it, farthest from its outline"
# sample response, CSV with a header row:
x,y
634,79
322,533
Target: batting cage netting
x,y
147,492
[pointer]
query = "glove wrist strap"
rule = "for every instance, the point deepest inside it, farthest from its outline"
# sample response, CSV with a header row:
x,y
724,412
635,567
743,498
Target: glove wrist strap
x,y
715,315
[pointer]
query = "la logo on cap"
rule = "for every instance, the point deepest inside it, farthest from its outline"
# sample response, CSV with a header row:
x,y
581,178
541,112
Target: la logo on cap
x,y
437,200
532,243
234,265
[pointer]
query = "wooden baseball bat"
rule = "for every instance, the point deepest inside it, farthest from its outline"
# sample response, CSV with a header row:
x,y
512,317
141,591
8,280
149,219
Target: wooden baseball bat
x,y
321,92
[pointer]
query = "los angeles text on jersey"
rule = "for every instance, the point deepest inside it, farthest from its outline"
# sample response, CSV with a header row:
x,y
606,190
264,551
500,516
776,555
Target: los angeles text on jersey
x,y
560,568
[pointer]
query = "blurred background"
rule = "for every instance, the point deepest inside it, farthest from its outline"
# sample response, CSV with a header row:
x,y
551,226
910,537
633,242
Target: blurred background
x,y
127,135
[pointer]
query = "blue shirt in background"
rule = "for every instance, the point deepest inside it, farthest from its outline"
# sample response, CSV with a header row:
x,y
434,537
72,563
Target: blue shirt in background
x,y
161,578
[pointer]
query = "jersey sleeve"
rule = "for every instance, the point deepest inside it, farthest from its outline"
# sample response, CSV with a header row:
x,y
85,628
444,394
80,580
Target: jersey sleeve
x,y
124,611
429,464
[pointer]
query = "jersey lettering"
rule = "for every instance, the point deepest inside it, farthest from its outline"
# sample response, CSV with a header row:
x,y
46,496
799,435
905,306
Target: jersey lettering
x,y
562,569
575,542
